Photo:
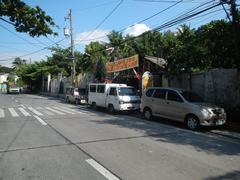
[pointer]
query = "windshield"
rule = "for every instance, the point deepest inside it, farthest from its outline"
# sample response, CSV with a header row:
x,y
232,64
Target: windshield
x,y
14,86
123,91
191,96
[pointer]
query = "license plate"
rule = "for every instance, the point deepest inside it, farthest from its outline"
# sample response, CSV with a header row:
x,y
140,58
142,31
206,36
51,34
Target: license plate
x,y
219,122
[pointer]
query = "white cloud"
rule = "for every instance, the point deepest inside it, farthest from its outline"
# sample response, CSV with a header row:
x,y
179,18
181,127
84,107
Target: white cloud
x,y
90,36
136,30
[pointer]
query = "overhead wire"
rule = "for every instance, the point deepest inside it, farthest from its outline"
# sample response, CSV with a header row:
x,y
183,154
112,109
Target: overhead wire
x,y
34,52
111,12
173,22
18,36
141,21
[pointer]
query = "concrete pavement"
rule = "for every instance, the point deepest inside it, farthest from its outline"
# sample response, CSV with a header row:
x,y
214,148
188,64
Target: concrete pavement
x,y
86,144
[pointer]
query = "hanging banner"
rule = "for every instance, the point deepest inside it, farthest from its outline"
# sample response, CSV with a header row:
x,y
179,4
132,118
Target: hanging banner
x,y
122,64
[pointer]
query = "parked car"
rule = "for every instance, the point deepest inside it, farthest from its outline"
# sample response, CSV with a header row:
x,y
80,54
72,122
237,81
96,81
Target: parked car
x,y
114,97
181,105
13,89
76,95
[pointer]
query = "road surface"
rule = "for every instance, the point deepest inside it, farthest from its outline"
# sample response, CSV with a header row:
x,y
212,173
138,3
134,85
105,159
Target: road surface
x,y
44,138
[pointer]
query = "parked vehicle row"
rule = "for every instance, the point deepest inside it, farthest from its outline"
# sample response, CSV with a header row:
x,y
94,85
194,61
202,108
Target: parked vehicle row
x,y
171,103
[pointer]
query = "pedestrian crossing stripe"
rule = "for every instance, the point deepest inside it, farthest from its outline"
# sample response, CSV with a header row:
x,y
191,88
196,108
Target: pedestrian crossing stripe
x,y
35,111
2,113
24,112
13,112
39,111
58,112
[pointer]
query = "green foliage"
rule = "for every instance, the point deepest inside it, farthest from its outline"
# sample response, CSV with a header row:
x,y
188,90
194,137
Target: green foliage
x,y
4,69
26,19
100,72
18,62
11,78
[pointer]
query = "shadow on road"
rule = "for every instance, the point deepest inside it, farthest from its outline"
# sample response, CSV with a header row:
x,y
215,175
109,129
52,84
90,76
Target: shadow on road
x,y
175,135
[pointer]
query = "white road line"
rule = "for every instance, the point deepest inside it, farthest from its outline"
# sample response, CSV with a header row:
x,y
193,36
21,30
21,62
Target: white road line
x,y
24,112
64,110
73,110
23,106
2,113
53,110
35,111
46,111
40,120
102,170
13,112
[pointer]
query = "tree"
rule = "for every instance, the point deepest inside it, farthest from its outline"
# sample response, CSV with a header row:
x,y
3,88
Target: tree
x,y
25,18
4,69
100,72
18,62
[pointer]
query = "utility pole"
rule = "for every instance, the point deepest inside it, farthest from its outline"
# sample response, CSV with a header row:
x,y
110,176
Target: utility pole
x,y
70,32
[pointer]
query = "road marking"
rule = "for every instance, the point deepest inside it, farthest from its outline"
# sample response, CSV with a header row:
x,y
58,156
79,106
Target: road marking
x,y
107,174
2,113
72,110
24,112
45,111
53,110
13,112
23,106
66,111
40,120
35,111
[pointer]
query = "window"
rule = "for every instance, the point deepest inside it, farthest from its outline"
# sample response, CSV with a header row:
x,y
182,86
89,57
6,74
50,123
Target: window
x,y
101,88
160,93
92,88
113,92
173,96
126,91
149,92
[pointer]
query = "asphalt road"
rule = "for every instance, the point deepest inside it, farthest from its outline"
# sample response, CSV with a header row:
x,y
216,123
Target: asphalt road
x,y
44,138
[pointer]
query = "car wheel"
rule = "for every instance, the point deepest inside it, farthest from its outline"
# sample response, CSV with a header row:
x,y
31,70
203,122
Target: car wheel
x,y
94,106
111,109
192,123
147,112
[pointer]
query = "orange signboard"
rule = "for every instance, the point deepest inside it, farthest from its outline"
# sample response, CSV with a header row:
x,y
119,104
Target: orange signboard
x,y
122,64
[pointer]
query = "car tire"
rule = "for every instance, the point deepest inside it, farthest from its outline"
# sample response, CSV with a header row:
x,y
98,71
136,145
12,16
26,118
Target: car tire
x,y
192,122
94,106
147,112
111,109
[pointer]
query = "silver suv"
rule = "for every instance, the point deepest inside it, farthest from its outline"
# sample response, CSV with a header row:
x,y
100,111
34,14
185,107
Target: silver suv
x,y
181,105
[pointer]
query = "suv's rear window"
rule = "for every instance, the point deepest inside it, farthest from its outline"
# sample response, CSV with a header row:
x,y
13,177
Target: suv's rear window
x,y
149,92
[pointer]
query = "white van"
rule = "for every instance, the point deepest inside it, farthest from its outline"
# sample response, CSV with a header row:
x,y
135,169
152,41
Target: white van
x,y
114,97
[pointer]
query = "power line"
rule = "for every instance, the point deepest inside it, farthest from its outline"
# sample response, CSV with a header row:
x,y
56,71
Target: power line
x,y
96,6
141,21
34,52
17,35
171,23
113,10
177,2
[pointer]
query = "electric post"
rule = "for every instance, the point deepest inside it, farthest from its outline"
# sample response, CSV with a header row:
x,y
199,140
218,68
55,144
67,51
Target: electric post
x,y
69,31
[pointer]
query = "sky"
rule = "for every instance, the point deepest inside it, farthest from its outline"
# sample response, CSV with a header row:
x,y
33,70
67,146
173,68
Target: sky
x,y
96,18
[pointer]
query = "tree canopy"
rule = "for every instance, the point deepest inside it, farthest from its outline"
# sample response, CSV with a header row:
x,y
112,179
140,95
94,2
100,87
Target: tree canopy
x,y
24,18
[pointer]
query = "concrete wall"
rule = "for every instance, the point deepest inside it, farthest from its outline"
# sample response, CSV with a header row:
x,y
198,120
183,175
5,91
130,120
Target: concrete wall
x,y
220,86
